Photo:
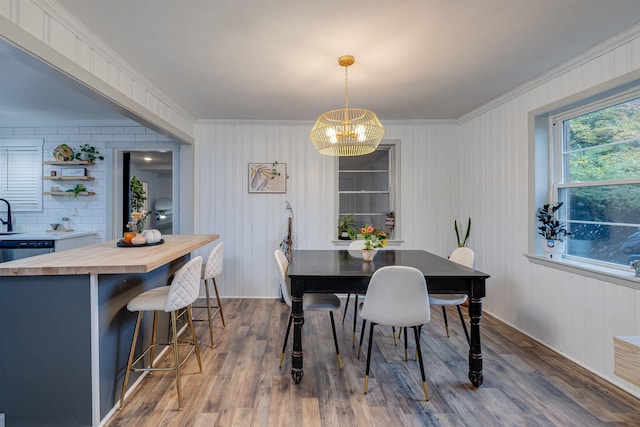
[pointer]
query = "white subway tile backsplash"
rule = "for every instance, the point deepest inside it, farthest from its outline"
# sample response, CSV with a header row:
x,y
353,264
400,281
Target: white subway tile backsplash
x,y
112,129
147,137
68,129
134,129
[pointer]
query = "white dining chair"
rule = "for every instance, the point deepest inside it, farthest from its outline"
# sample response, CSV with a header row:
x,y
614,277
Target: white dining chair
x,y
463,256
396,296
311,302
176,297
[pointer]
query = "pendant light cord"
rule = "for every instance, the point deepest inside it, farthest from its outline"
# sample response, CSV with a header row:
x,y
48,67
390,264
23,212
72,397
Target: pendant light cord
x,y
346,90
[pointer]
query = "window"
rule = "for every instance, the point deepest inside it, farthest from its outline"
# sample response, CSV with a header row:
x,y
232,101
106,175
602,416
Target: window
x,y
21,173
597,152
366,187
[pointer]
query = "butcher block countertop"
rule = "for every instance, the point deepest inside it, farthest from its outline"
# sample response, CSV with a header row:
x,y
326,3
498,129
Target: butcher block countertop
x,y
107,258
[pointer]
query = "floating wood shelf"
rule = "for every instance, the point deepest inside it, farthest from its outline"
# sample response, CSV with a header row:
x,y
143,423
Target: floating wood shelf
x,y
68,193
68,162
69,178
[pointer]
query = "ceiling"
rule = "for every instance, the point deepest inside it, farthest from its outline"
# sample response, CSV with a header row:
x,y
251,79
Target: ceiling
x,y
277,59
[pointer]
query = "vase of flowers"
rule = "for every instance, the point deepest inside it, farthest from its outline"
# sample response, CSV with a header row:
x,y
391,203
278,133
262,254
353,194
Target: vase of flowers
x,y
373,240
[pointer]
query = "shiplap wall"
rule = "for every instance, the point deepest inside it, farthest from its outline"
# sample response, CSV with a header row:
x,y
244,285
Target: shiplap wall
x,y
252,225
575,315
60,31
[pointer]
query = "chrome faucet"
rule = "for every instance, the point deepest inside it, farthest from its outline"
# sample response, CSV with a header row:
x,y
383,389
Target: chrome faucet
x,y
8,222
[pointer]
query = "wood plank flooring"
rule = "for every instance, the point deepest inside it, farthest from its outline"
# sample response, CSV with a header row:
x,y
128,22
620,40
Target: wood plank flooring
x,y
525,384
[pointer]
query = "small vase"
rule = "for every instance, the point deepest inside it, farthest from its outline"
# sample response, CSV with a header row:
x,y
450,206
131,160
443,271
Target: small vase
x,y
368,254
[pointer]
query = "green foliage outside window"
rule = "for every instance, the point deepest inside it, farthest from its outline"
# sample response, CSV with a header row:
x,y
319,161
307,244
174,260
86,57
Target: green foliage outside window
x,y
603,146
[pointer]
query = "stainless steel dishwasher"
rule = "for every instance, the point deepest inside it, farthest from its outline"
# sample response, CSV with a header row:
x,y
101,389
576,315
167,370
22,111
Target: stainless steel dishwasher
x,y
11,250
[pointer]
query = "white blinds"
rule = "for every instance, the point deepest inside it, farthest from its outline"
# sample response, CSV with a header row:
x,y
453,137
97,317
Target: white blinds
x,y
21,174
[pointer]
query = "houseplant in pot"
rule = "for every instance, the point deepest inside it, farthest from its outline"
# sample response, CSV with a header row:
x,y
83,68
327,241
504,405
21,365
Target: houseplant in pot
x,y
88,152
373,240
347,228
552,230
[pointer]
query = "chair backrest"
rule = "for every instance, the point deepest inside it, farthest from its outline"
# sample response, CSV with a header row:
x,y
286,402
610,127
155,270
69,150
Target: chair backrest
x,y
397,296
285,283
213,266
185,286
463,256
356,245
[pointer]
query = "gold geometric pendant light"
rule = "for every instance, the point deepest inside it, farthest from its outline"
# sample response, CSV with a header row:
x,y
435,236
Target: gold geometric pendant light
x,y
348,131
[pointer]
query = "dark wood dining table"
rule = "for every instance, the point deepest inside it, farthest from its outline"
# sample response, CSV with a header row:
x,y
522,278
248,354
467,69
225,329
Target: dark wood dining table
x,y
339,271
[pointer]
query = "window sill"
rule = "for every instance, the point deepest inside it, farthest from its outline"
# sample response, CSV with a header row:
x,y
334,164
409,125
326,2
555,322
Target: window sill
x,y
616,276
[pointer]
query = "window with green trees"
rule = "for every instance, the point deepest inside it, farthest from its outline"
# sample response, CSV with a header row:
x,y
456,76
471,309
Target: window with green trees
x,y
597,169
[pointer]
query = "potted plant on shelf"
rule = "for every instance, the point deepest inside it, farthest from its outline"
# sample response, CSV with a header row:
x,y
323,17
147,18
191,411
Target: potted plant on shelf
x,y
390,220
347,228
552,230
79,188
88,152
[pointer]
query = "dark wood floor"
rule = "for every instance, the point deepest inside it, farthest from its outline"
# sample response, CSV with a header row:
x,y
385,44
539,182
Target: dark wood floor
x,y
525,384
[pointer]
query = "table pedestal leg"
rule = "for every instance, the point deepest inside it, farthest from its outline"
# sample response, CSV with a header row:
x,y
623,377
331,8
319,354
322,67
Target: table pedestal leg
x,y
475,348
297,287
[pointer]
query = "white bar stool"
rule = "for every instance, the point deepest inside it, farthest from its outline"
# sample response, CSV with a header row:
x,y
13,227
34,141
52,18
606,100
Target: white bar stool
x,y
179,295
212,268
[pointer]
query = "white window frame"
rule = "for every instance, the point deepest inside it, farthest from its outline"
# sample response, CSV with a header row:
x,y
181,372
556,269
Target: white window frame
x,y
27,196
394,187
556,158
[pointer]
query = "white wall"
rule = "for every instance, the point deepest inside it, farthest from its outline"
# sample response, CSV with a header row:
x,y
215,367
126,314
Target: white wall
x,y
574,315
252,225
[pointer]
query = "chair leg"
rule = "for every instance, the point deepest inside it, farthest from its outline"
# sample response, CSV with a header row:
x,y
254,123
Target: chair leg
x,y
215,288
393,331
446,324
424,378
366,374
364,324
286,338
406,351
346,306
464,325
193,337
130,361
152,353
335,338
176,359
208,296
355,317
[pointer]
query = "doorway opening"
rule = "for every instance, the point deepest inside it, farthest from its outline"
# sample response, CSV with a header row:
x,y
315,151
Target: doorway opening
x,y
154,169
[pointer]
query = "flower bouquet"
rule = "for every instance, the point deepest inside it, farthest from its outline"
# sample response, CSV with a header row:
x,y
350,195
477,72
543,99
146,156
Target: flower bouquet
x,y
373,239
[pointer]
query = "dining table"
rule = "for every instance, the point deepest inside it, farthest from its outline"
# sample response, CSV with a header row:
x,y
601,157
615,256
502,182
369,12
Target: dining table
x,y
344,271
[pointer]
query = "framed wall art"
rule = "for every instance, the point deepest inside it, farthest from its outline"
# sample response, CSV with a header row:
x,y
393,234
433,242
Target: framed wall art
x,y
268,177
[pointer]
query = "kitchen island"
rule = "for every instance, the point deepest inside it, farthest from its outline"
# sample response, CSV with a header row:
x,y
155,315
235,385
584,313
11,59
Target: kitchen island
x,y
66,332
